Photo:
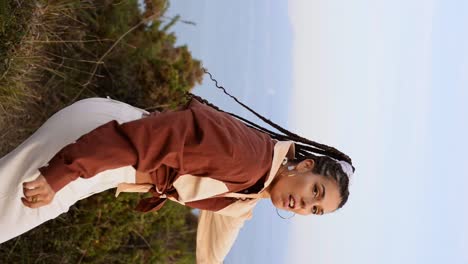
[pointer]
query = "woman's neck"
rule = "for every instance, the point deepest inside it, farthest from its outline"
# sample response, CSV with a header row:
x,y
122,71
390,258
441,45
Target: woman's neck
x,y
282,169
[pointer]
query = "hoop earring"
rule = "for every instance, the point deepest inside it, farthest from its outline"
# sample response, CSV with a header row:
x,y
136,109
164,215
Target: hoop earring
x,y
277,212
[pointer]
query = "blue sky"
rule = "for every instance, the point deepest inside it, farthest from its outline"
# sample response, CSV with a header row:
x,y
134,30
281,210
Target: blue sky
x,y
247,46
384,81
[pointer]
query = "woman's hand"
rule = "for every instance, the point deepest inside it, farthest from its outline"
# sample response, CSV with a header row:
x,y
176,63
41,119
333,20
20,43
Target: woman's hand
x,y
37,193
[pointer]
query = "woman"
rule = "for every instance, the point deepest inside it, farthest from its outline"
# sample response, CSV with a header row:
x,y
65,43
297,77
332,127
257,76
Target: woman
x,y
198,156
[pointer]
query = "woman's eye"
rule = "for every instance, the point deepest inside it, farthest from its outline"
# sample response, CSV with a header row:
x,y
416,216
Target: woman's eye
x,y
314,209
315,191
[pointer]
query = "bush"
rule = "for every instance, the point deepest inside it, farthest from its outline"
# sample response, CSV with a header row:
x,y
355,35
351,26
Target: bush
x,y
58,51
69,49
103,229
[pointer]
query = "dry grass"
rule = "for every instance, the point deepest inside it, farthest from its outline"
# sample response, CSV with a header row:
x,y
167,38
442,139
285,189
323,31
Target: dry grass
x,y
67,50
55,52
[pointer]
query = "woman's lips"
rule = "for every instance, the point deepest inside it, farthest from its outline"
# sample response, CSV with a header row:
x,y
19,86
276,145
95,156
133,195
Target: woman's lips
x,y
290,202
286,202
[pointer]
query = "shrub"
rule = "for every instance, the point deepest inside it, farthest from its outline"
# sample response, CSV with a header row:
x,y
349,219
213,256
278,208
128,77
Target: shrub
x,y
58,51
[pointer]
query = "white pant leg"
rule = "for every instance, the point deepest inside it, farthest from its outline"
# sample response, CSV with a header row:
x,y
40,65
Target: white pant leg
x,y
61,129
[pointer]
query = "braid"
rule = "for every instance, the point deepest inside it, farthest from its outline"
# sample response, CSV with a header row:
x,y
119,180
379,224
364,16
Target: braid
x,y
307,147
325,162
247,122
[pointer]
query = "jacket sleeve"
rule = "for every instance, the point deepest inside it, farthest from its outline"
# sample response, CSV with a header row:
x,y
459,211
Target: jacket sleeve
x,y
183,142
145,144
216,234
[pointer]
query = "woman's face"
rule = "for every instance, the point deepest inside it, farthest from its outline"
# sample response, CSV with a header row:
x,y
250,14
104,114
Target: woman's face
x,y
303,192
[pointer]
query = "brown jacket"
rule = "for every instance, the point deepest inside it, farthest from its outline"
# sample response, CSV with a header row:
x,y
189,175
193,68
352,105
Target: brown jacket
x,y
197,140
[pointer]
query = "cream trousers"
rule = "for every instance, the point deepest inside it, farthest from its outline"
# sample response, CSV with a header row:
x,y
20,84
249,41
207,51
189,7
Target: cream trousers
x,y
61,129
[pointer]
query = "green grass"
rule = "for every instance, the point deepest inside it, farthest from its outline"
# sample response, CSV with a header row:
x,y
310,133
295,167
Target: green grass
x,y
55,52
102,229
13,31
71,49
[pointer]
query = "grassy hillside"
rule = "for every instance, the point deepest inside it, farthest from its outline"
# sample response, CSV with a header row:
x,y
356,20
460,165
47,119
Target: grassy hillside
x,y
55,52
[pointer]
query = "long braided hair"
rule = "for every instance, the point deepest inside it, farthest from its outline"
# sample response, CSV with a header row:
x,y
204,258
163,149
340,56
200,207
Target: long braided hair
x,y
325,157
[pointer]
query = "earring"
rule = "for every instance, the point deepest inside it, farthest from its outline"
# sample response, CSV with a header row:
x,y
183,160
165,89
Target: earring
x,y
277,212
290,168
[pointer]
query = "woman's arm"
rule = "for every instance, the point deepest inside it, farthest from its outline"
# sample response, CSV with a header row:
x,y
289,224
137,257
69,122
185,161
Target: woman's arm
x,y
106,147
197,140
146,144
